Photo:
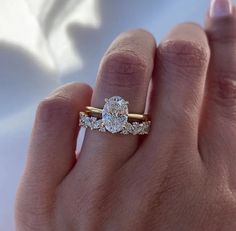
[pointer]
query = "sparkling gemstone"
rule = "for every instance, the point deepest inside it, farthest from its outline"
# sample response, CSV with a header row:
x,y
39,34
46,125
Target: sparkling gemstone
x,y
137,128
145,128
115,114
87,121
127,129
92,121
98,125
102,129
84,120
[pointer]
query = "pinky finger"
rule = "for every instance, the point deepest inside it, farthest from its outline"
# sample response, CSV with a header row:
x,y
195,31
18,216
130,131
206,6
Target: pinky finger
x,y
51,152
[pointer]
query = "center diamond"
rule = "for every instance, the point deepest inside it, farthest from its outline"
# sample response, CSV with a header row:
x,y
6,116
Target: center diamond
x,y
115,114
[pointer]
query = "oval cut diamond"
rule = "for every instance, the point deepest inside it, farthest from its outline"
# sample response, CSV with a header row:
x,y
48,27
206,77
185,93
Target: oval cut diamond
x,y
115,114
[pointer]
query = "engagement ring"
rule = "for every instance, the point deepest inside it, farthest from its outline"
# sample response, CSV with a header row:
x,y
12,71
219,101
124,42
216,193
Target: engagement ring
x,y
115,118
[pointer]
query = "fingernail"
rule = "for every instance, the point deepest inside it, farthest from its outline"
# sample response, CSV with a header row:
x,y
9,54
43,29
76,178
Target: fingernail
x,y
221,8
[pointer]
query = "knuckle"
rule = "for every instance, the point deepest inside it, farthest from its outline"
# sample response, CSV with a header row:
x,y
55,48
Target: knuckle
x,y
123,68
52,107
191,56
221,32
217,38
223,90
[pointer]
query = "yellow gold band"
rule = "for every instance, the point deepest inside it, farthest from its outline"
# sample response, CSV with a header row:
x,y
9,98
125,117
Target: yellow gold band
x,y
98,111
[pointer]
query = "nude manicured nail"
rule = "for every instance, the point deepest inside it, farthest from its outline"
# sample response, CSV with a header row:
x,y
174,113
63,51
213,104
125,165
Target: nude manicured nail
x,y
221,8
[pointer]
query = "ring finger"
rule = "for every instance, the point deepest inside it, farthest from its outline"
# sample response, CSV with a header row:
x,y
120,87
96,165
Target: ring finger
x,y
125,71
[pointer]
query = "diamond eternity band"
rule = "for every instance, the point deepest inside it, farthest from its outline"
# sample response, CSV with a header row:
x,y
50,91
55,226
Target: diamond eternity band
x,y
134,128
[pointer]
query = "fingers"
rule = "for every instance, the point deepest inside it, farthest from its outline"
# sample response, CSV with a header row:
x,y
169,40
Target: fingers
x,y
170,152
125,71
218,128
53,140
178,90
177,96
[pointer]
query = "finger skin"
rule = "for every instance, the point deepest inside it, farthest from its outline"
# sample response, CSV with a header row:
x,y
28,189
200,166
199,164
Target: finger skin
x,y
52,147
170,152
218,126
178,89
125,71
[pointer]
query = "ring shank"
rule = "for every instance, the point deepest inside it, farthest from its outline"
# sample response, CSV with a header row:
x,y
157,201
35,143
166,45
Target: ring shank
x,y
133,117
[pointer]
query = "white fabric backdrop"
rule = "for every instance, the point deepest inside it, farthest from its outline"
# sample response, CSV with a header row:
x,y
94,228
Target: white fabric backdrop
x,y
45,43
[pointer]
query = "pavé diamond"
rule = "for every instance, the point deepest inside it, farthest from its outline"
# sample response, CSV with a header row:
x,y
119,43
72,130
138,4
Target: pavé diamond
x,y
137,128
115,114
98,125
146,128
84,120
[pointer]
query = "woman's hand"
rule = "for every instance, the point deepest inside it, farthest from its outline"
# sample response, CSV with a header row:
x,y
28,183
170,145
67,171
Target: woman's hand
x,y
181,176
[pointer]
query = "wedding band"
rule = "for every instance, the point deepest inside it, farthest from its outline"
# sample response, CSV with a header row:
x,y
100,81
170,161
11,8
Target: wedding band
x,y
114,118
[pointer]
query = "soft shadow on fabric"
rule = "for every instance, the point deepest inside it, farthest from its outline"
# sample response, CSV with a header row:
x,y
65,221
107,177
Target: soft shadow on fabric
x,y
23,79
